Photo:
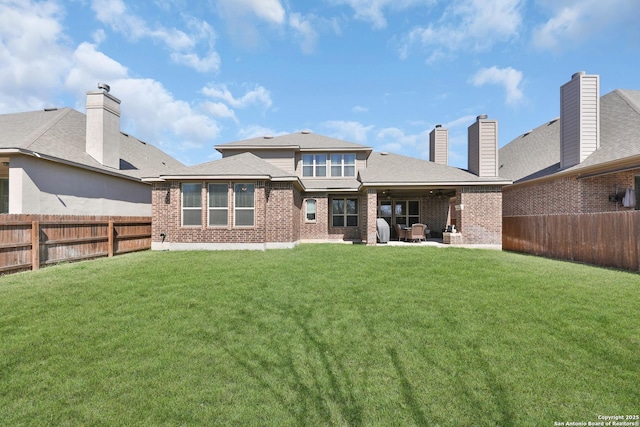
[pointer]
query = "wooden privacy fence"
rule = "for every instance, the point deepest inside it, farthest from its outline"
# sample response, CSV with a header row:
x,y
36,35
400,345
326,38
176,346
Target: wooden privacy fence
x,y
609,239
33,241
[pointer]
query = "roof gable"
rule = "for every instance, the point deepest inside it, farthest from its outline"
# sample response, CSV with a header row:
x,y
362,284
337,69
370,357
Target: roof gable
x,y
60,134
536,154
301,141
240,165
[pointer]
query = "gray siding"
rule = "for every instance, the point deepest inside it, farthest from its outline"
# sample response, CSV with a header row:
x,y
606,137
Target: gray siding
x,y
283,159
439,146
579,119
483,147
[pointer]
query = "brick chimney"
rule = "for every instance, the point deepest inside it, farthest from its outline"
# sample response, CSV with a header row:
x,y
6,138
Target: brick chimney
x,y
483,146
439,145
103,127
579,118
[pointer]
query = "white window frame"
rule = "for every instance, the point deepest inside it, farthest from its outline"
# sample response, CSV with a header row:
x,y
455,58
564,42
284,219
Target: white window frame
x,y
342,164
237,189
190,208
306,210
217,208
315,165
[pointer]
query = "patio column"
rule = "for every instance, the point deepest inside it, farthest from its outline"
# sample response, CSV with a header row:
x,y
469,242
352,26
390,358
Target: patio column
x,y
372,214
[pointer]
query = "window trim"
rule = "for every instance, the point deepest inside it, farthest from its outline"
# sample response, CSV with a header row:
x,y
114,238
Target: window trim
x,y
315,165
243,208
346,215
306,211
342,164
184,208
217,208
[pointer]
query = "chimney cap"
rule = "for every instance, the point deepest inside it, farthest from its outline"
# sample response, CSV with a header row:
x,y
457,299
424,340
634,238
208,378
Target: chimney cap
x,y
438,126
104,86
481,117
578,74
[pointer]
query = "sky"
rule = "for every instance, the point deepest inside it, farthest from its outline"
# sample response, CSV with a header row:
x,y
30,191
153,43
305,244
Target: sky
x,y
382,73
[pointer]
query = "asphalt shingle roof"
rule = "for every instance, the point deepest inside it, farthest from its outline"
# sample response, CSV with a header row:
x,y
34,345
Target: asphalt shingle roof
x,y
244,164
537,154
397,169
60,134
302,140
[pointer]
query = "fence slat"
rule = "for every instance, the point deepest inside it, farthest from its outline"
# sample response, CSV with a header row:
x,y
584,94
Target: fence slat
x,y
609,239
32,241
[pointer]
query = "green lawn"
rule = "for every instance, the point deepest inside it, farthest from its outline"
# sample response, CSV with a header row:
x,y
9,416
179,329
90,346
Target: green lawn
x,y
319,335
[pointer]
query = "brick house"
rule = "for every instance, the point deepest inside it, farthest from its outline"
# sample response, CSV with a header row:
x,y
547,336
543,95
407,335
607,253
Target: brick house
x,y
585,161
274,192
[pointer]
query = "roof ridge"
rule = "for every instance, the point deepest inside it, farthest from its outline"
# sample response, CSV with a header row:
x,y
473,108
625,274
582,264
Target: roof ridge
x,y
36,135
635,107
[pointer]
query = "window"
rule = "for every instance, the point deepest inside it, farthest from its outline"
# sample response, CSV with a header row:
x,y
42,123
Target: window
x,y
407,212
344,212
310,209
343,165
218,204
314,165
385,210
244,204
191,204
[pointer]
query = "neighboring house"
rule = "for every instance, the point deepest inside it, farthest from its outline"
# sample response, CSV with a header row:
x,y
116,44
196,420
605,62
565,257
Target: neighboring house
x,y
59,161
274,192
585,161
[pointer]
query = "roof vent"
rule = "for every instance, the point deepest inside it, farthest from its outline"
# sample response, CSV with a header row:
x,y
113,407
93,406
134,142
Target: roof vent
x,y
306,132
383,153
481,117
104,86
51,109
268,137
438,126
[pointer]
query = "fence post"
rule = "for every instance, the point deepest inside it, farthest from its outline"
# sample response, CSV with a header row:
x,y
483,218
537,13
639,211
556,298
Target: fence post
x,y
111,240
35,245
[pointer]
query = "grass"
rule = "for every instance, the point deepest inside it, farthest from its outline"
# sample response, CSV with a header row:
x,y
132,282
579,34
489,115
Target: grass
x,y
319,335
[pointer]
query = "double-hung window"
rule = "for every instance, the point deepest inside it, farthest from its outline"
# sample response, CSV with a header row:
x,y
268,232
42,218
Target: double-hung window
x,y
191,204
310,208
314,165
344,212
218,205
244,207
343,165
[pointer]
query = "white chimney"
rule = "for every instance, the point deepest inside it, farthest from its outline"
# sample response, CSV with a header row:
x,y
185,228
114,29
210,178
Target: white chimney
x,y
439,145
483,146
579,118
103,127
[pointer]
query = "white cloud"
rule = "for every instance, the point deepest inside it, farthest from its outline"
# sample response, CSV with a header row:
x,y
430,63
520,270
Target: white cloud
x,y
34,58
349,131
372,11
267,10
256,131
466,25
304,32
575,21
184,48
508,78
256,96
219,109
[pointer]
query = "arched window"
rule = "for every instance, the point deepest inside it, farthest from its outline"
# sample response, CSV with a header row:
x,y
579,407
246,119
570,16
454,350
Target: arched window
x,y
310,210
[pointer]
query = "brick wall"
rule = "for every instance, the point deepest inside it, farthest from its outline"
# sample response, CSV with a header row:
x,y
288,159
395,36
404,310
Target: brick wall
x,y
282,213
568,195
480,219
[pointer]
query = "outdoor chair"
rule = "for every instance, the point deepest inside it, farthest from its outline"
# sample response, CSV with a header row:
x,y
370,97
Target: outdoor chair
x,y
402,233
416,232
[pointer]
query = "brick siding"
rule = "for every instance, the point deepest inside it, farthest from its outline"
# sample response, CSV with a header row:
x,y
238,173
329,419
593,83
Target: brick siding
x,y
480,220
568,195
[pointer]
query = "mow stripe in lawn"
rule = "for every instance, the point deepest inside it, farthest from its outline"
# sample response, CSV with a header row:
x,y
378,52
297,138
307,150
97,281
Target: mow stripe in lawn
x,y
321,334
